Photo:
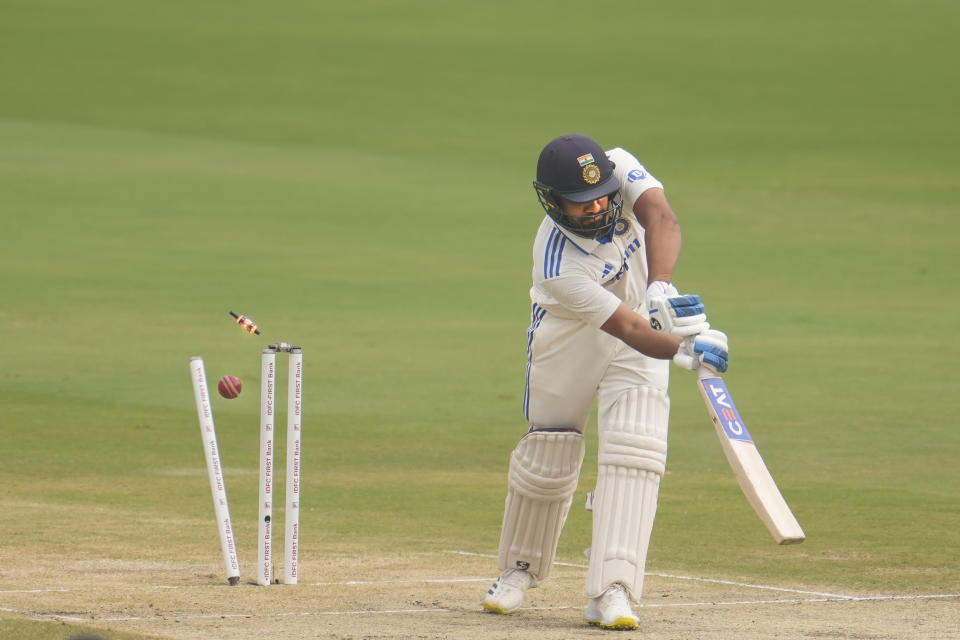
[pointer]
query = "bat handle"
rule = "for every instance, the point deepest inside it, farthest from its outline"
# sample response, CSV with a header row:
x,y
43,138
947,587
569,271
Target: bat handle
x,y
703,372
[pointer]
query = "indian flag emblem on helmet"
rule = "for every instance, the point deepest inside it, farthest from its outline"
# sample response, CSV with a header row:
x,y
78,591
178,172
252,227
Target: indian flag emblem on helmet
x,y
591,174
585,159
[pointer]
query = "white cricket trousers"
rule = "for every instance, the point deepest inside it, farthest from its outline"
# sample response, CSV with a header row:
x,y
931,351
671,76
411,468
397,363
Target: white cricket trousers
x,y
570,363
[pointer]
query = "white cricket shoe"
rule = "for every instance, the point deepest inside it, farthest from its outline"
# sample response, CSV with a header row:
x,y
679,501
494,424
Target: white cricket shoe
x,y
506,593
611,610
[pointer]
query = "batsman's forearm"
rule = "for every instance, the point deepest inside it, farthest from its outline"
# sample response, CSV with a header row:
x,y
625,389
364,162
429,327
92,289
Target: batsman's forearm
x,y
662,346
663,242
634,329
661,234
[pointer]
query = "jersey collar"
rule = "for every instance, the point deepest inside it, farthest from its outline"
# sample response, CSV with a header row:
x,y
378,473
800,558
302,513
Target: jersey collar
x,y
587,245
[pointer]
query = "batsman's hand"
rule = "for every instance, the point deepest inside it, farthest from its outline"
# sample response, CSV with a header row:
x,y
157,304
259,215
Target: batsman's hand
x,y
673,313
706,349
661,289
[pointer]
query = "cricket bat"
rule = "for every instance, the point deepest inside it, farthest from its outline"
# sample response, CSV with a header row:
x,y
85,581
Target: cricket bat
x,y
751,472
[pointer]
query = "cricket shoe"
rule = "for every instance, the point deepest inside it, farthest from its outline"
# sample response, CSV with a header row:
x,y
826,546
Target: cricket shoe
x,y
612,609
506,593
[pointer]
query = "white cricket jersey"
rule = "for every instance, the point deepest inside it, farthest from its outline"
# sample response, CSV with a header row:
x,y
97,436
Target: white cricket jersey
x,y
584,279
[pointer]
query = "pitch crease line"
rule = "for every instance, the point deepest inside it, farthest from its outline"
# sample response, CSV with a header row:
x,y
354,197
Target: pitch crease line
x,y
36,615
740,603
681,577
218,586
752,586
406,581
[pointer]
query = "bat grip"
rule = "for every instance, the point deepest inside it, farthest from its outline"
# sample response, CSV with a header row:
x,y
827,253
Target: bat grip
x,y
703,372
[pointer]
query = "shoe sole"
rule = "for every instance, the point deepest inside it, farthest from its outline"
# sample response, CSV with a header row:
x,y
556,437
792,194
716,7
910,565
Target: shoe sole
x,y
492,608
620,623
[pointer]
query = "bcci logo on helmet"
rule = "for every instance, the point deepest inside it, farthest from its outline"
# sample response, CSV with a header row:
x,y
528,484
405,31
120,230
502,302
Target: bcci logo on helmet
x,y
591,174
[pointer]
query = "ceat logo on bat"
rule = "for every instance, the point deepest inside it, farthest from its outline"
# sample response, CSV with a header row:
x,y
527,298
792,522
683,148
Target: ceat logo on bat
x,y
722,404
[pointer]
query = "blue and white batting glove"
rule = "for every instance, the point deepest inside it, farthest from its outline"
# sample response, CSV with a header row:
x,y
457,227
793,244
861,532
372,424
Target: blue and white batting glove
x,y
706,349
661,289
673,313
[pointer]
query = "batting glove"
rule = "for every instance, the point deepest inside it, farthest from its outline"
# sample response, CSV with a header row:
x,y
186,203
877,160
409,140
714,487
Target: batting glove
x,y
673,313
707,349
661,289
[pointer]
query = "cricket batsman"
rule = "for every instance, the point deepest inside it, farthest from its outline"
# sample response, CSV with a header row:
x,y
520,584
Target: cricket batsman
x,y
605,323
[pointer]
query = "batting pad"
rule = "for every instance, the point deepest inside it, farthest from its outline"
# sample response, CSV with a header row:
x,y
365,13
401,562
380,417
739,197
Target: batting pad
x,y
631,458
544,470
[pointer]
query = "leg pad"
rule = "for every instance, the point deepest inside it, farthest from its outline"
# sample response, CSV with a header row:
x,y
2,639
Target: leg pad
x,y
631,457
544,471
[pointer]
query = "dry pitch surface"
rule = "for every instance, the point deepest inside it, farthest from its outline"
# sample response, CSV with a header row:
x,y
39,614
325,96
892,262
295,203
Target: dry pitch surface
x,y
438,596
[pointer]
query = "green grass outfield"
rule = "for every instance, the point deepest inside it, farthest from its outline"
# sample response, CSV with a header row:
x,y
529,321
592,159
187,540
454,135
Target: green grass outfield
x,y
356,178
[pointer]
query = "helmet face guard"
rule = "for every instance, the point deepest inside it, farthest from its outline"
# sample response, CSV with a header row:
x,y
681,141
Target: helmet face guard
x,y
593,226
576,168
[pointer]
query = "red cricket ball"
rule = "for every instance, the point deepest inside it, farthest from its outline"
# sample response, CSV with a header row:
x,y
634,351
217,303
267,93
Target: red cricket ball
x,y
229,387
